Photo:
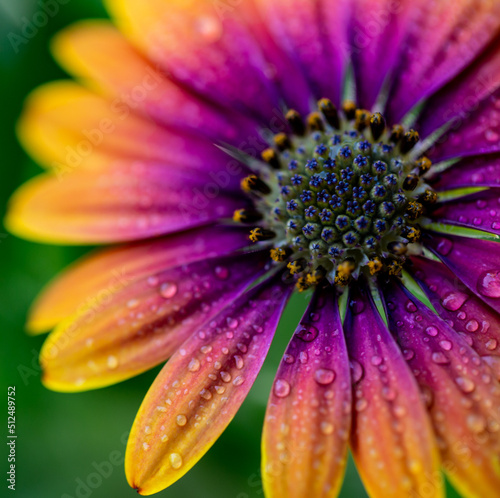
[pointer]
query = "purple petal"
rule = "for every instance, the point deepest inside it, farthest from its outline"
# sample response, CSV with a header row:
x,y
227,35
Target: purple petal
x,y
140,323
475,262
201,388
481,212
462,395
462,96
309,411
387,408
313,33
444,37
476,322
482,171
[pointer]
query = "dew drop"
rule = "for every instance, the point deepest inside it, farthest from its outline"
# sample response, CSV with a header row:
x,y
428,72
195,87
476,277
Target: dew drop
x,y
221,272
181,420
472,325
357,306
326,428
239,362
206,349
446,345
465,384
307,333
361,404
281,388
489,284
476,423
491,344
133,303
388,393
225,376
145,446
153,281
194,365
444,247
439,358
410,307
356,371
206,394
376,360
168,290
175,460
288,358
238,380
432,331
220,389
454,301
324,376
408,354
112,362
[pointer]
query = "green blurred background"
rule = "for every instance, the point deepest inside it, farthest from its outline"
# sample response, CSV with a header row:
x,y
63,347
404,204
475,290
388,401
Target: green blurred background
x,y
63,439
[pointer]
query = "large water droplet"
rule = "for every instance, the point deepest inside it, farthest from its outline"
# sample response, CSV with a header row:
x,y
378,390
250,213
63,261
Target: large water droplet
x,y
225,376
439,358
432,331
446,345
221,272
194,365
472,325
465,384
326,428
454,301
175,460
168,290
488,284
356,371
307,333
444,247
324,376
281,388
181,420
112,362
476,423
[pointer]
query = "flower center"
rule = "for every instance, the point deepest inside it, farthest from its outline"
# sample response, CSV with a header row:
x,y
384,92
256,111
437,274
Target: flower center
x,y
343,195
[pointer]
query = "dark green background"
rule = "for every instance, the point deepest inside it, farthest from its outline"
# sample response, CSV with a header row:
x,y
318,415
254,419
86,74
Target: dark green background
x,y
62,436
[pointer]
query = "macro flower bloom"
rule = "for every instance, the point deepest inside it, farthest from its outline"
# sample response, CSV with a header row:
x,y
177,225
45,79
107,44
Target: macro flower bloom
x,y
235,152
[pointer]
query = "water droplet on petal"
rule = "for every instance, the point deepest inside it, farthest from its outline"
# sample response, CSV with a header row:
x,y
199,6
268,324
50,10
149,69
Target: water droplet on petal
x,y
432,331
465,384
168,290
133,303
225,376
388,393
476,423
238,380
112,362
454,301
356,371
324,376
491,344
446,345
221,272
439,358
281,388
472,325
145,446
181,420
175,460
194,365
220,389
361,404
153,281
489,284
307,333
376,360
408,354
444,247
410,307
326,428
239,362
288,358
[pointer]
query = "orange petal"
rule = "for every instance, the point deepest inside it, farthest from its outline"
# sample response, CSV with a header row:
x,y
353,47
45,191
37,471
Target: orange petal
x,y
392,439
98,53
215,55
126,201
141,323
200,389
308,418
103,272
462,393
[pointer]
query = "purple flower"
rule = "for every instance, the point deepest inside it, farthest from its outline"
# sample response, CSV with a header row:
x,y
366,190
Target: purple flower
x,y
398,353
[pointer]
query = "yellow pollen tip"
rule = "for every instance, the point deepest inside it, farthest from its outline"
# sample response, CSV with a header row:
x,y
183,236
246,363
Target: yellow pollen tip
x,y
278,254
394,268
375,265
302,284
255,234
294,267
315,122
314,278
239,215
424,164
362,119
248,182
413,234
349,108
282,142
